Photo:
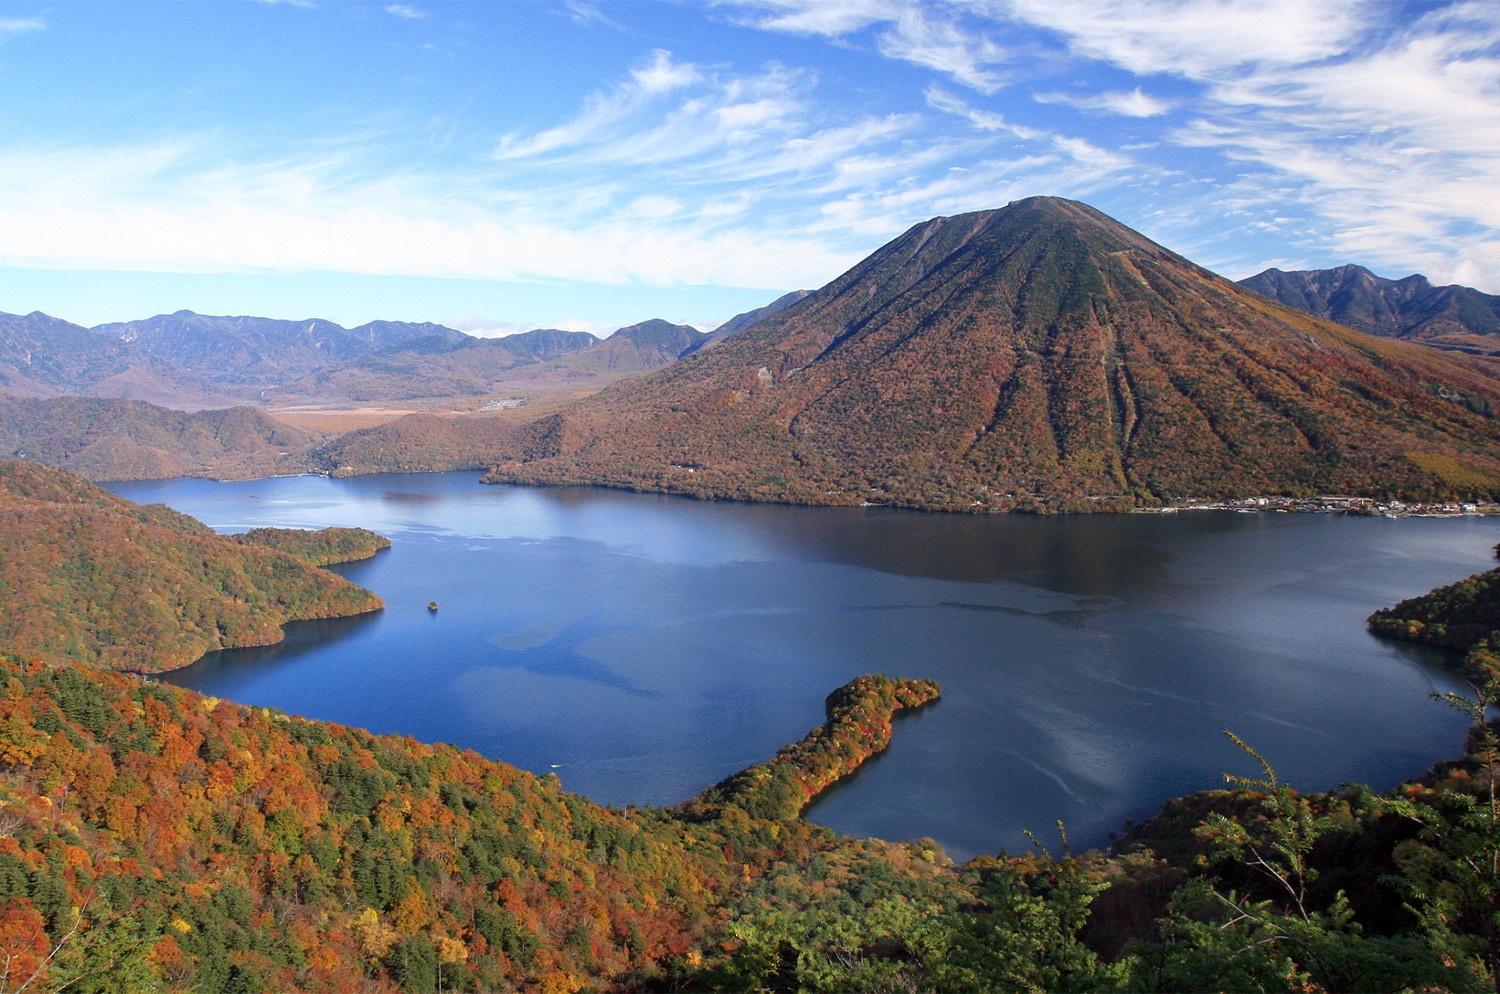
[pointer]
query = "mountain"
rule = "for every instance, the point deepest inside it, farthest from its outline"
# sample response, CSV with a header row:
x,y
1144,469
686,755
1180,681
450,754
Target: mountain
x,y
246,354
435,367
742,321
420,443
94,578
1458,318
43,356
540,361
550,343
425,368
638,347
1038,356
110,439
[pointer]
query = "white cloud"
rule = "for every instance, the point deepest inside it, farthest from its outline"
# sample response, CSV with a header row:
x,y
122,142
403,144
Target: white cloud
x,y
984,120
827,18
11,26
1136,103
405,10
588,14
605,114
965,56
169,208
1080,152
932,35
1194,38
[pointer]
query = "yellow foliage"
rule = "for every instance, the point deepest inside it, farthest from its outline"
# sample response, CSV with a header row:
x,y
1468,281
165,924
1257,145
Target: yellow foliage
x,y
449,949
375,937
1450,470
559,982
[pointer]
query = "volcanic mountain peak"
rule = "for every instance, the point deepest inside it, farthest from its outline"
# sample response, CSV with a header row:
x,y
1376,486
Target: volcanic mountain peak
x,y
1042,351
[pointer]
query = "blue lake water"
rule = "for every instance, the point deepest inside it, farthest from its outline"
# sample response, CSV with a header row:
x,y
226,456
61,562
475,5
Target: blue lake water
x,y
644,647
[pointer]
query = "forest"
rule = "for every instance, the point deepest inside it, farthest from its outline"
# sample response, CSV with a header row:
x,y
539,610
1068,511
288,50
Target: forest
x,y
89,577
155,839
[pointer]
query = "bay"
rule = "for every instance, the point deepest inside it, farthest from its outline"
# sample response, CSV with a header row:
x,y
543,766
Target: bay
x,y
643,647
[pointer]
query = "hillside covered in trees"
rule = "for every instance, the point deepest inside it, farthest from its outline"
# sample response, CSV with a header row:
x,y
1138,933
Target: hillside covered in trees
x,y
103,439
89,577
152,838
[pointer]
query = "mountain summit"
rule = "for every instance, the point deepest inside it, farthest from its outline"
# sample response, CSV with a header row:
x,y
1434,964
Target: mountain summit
x,y
1045,354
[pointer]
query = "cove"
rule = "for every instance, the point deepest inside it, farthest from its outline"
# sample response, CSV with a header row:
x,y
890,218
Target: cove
x,y
644,647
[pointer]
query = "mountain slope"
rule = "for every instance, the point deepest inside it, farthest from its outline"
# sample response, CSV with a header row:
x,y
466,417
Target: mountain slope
x,y
111,439
1039,354
742,321
43,356
90,577
1458,318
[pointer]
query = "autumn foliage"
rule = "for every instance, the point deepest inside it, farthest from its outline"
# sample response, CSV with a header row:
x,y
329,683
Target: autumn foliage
x,y
90,577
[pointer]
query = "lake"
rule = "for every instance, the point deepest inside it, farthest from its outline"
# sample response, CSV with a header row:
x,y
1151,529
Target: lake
x,y
644,647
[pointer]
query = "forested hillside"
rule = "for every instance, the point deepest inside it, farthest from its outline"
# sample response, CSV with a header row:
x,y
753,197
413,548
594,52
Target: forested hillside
x,y
156,839
89,577
324,547
103,439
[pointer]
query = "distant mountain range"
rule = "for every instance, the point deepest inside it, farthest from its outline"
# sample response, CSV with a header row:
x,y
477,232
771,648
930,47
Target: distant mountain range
x,y
194,360
1043,355
1457,318
431,368
43,356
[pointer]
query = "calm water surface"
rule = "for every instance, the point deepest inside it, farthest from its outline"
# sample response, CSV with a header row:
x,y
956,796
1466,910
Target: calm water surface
x,y
644,647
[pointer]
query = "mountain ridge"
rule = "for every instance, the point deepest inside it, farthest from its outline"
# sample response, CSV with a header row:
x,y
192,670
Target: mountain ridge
x,y
1038,355
1453,317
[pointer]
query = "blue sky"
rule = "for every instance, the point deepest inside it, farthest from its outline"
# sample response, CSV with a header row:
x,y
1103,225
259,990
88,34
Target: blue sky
x,y
498,166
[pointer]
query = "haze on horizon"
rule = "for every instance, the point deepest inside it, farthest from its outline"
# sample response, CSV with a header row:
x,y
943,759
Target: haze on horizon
x,y
503,166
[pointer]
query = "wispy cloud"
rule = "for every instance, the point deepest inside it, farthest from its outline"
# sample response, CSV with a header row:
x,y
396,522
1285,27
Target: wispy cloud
x,y
1194,38
969,58
818,17
589,14
1136,103
12,26
932,35
173,207
1079,151
406,11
